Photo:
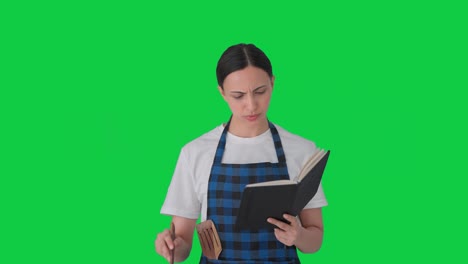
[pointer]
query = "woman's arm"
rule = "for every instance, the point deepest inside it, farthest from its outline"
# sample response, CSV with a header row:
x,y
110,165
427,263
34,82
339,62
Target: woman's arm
x,y
184,228
310,238
306,237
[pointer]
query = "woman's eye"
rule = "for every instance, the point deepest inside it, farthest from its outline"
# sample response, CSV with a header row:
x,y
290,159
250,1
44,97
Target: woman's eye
x,y
238,97
260,92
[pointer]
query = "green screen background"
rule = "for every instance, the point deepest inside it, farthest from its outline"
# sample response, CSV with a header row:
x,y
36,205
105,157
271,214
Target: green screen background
x,y
97,98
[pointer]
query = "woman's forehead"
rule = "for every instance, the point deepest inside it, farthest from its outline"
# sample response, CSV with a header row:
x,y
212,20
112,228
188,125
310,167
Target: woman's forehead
x,y
248,78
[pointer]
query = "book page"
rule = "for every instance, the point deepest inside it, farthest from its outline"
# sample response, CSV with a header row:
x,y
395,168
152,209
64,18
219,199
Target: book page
x,y
271,183
311,163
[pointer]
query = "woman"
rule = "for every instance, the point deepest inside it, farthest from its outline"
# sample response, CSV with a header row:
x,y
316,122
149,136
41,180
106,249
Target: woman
x,y
208,165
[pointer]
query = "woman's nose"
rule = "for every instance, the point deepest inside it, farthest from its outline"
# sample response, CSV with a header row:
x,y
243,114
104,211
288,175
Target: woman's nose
x,y
251,103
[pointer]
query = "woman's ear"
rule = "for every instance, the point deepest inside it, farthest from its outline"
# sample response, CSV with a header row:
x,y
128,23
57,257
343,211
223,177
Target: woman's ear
x,y
272,82
221,91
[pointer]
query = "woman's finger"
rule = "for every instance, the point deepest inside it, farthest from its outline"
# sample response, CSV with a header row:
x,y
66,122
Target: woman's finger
x,y
169,242
283,237
164,244
292,219
278,223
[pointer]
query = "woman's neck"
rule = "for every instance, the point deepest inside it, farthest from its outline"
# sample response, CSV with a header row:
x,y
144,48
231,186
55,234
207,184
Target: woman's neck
x,y
246,129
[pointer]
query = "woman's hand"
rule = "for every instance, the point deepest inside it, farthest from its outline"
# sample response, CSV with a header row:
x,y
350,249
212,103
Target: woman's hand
x,y
164,244
183,239
287,234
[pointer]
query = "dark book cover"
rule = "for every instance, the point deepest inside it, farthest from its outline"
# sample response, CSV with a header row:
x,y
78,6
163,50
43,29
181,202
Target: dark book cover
x,y
261,202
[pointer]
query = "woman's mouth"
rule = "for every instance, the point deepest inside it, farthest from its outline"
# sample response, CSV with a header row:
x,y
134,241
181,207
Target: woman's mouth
x,y
252,118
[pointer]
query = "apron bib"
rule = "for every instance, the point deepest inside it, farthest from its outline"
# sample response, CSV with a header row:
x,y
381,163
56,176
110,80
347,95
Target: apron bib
x,y
225,186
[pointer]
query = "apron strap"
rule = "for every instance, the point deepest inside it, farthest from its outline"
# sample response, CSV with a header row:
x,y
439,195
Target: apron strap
x,y
277,142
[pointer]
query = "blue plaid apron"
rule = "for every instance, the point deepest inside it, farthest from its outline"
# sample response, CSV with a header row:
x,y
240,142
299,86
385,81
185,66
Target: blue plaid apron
x,y
227,181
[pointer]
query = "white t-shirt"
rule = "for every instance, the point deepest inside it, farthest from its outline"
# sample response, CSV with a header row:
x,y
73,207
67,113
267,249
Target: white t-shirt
x,y
187,193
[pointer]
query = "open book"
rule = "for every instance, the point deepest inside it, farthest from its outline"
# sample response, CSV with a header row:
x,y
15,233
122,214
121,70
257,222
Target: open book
x,y
275,198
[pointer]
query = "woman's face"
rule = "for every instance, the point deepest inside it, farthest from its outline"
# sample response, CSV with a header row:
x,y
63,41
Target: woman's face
x,y
248,93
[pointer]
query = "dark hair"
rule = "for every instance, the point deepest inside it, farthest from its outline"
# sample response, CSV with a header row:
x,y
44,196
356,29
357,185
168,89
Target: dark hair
x,y
238,57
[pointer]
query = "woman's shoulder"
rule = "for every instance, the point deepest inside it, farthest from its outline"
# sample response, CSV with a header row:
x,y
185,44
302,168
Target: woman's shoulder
x,y
291,140
207,140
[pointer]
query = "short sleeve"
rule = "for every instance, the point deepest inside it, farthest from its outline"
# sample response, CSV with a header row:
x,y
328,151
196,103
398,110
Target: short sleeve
x,y
181,199
318,200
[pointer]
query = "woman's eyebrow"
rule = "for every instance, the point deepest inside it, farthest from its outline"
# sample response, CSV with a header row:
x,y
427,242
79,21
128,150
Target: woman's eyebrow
x,y
258,88
239,92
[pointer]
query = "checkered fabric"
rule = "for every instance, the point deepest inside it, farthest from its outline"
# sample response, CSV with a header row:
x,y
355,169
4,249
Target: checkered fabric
x,y
227,181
